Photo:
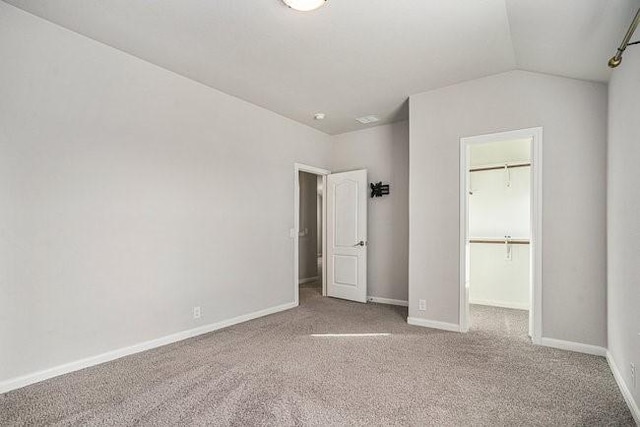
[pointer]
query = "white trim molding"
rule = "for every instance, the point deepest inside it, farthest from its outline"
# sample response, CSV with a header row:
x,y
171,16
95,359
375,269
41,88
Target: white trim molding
x,y
433,324
573,346
626,393
389,301
35,377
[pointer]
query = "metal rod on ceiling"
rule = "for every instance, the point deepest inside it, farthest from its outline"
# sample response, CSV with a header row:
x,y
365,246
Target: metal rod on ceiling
x,y
617,58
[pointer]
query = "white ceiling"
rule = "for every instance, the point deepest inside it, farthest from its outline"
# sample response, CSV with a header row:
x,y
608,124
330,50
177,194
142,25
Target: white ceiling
x,y
350,58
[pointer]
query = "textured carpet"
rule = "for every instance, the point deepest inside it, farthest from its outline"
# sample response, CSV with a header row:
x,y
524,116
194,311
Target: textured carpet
x,y
275,371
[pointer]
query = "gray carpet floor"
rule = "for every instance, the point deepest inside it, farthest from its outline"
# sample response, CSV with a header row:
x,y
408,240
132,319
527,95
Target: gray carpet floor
x,y
281,370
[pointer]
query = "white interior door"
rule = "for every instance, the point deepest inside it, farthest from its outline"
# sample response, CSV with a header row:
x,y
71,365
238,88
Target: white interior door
x,y
347,235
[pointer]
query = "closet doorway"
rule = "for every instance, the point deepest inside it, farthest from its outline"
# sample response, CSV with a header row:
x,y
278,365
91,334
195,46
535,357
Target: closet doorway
x,y
500,223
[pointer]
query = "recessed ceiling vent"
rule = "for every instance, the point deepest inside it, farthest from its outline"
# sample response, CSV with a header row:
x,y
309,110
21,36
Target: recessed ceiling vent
x,y
368,119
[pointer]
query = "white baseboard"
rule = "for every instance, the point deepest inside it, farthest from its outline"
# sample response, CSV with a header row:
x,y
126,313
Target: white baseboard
x,y
501,304
573,346
388,301
25,380
308,280
626,393
416,321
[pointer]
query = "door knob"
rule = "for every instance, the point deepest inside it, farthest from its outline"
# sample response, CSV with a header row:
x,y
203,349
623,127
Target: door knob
x,y
360,243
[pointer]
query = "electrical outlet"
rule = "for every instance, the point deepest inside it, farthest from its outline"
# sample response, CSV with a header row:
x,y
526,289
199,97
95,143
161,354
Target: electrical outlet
x,y
422,305
196,312
633,375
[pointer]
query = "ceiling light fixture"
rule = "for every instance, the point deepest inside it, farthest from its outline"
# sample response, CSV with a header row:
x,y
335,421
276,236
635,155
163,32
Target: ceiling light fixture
x,y
304,5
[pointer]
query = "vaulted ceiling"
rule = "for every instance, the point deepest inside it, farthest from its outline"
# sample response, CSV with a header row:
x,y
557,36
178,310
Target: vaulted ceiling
x,y
350,58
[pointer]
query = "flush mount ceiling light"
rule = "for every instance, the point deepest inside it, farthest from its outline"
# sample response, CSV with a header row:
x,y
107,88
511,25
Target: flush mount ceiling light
x,y
304,5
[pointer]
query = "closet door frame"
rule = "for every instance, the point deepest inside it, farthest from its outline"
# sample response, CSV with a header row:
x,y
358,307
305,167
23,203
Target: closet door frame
x,y
535,312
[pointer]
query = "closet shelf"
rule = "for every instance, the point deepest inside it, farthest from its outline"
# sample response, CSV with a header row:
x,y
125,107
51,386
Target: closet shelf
x,y
491,168
501,241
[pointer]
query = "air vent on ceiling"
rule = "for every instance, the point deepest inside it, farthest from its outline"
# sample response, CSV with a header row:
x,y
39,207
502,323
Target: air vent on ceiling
x,y
368,119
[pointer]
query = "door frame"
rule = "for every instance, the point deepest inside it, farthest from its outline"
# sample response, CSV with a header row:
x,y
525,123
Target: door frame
x,y
295,231
535,269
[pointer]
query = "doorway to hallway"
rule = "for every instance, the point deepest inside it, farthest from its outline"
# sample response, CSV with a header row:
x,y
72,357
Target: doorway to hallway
x,y
330,232
310,242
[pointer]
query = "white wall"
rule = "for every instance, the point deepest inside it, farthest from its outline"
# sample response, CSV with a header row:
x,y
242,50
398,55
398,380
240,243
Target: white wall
x,y
129,195
496,210
573,115
623,220
499,152
384,152
308,230
497,281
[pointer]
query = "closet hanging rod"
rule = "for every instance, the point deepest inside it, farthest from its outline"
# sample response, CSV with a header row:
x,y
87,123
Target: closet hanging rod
x,y
491,168
501,241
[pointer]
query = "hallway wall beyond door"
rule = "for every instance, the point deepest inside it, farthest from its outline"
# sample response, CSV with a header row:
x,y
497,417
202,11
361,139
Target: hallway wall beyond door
x,y
308,231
